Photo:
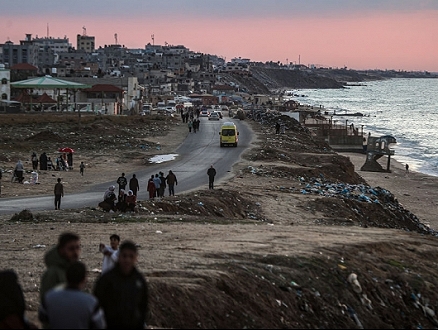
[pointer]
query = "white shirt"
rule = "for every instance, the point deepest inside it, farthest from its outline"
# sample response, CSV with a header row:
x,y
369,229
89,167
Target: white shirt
x,y
109,260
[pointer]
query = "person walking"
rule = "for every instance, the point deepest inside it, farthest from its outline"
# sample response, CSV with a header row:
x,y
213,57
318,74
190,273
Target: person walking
x,y
59,192
70,307
407,169
122,182
82,168
190,125
171,182
134,185
123,292
211,172
157,183
1,174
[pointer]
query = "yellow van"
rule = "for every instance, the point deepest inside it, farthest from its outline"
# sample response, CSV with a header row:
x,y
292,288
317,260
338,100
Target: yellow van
x,y
229,134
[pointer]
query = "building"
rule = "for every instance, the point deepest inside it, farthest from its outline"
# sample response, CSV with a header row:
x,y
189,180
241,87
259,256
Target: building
x,y
25,52
5,83
85,43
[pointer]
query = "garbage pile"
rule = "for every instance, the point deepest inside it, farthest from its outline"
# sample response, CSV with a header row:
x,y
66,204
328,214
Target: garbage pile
x,y
369,206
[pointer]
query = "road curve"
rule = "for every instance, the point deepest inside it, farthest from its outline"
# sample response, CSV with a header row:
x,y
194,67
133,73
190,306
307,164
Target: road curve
x,y
195,155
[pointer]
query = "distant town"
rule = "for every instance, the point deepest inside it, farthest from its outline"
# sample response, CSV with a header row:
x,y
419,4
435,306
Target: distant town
x,y
123,80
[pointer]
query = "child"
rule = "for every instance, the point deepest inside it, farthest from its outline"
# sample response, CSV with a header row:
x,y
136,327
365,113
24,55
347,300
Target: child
x,y
110,253
81,168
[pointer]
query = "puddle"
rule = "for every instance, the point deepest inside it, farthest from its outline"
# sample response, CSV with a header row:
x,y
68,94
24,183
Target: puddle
x,y
158,159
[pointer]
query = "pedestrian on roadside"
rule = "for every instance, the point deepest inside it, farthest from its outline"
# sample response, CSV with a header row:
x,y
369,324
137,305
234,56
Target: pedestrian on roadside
x,y
123,292
1,174
211,172
277,128
157,182
131,201
162,185
70,307
407,169
59,192
151,187
190,126
18,171
34,159
122,182
81,168
171,182
43,162
70,160
134,185
57,260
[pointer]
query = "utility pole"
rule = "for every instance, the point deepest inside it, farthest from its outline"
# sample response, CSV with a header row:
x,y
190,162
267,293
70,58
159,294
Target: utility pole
x,y
153,39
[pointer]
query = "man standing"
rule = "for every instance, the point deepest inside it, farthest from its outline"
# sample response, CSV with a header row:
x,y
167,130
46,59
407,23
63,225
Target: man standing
x,y
162,185
70,308
57,260
211,172
122,292
171,182
133,184
122,182
157,183
59,192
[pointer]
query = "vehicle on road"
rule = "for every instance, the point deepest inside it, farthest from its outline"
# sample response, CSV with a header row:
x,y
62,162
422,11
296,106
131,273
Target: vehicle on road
x,y
229,135
204,113
214,116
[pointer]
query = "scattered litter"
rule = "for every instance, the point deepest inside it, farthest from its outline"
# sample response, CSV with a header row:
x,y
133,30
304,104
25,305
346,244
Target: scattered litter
x,y
39,246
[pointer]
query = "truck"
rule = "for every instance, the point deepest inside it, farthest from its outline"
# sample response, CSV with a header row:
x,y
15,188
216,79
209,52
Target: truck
x,y
229,135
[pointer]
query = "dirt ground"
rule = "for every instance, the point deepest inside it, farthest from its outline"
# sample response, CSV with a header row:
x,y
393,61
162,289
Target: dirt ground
x,y
272,248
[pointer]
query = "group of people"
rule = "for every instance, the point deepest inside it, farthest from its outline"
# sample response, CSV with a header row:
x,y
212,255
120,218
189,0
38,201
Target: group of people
x,y
63,162
125,200
119,299
193,124
157,184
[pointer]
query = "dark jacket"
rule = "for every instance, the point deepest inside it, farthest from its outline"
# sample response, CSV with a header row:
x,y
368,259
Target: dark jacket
x,y
133,185
59,189
55,273
171,179
211,172
123,298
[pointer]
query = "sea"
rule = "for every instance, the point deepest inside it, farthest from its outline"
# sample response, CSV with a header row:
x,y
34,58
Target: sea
x,y
404,108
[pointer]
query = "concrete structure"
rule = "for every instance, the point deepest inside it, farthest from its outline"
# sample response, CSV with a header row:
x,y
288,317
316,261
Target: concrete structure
x,y
5,83
85,43
25,52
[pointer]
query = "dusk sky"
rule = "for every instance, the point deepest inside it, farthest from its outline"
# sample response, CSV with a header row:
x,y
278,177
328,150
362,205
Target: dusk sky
x,y
358,34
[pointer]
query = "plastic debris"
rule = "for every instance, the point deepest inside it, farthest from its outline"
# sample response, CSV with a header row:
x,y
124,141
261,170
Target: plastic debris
x,y
352,279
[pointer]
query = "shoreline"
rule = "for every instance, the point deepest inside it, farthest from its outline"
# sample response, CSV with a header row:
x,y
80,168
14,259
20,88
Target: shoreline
x,y
416,191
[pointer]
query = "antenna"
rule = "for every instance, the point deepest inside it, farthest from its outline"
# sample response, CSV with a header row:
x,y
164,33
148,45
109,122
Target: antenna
x,y
84,31
115,38
153,39
165,43
47,30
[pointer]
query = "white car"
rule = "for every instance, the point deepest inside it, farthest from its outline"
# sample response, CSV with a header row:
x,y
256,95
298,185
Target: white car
x,y
214,116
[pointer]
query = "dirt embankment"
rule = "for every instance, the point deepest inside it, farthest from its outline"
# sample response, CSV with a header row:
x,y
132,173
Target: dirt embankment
x,y
274,247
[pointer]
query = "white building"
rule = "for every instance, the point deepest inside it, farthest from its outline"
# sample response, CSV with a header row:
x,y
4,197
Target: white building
x,y
5,83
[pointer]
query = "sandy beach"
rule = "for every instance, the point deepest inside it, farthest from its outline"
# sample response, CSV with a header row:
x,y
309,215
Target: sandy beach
x,y
418,192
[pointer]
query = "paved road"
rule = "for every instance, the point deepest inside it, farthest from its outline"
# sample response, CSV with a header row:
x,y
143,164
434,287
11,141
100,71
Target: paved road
x,y
195,155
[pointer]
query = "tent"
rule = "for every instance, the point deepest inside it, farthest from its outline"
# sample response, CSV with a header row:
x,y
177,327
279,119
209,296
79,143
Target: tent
x,y
48,82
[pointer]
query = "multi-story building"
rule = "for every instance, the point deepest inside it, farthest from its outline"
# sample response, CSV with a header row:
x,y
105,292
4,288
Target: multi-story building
x,y
25,52
5,83
85,43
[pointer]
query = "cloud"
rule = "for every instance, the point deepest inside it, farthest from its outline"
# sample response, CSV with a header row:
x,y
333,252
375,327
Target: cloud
x,y
209,8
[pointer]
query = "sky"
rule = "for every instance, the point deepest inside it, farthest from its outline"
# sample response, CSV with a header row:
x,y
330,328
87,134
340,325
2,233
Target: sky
x,y
357,34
